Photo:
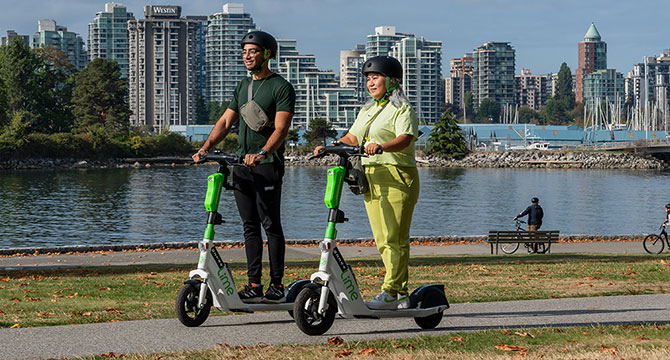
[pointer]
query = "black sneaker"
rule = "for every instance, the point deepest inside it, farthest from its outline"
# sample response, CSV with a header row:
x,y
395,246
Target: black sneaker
x,y
252,293
275,294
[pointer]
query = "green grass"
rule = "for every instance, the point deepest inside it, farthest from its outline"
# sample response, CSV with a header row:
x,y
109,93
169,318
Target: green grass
x,y
117,293
650,341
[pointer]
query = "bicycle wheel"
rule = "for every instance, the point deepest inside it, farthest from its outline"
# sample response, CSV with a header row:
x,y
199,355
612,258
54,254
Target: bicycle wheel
x,y
509,248
653,244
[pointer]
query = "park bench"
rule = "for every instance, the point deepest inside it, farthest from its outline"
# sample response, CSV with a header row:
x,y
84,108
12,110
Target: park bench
x,y
497,237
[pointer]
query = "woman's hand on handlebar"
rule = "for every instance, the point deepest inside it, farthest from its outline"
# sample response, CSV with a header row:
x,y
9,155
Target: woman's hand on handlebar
x,y
372,149
318,150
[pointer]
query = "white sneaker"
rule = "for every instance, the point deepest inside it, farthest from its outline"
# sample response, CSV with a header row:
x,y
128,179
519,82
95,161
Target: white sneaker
x,y
403,301
383,301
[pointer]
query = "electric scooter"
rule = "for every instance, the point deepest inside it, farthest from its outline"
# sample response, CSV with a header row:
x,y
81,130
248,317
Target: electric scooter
x,y
212,282
334,289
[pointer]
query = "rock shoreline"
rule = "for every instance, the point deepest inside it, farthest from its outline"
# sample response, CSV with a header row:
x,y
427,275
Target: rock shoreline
x,y
526,159
559,159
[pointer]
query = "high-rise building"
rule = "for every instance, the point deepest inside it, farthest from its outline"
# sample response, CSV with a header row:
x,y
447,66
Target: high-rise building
x,y
422,75
532,90
650,81
382,41
11,34
108,36
163,68
351,64
606,85
493,73
460,80
592,56
224,65
51,34
422,68
318,93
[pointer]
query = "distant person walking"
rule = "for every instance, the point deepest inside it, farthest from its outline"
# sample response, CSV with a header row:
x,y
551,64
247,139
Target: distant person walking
x,y
667,215
535,215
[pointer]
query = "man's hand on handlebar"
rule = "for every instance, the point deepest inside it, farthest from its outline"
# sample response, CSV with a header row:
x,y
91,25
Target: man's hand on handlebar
x,y
198,155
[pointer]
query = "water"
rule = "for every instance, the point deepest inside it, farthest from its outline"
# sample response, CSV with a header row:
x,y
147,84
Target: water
x,y
112,206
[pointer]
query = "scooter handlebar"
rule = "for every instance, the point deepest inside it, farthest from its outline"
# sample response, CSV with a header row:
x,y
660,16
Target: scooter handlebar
x,y
221,158
342,150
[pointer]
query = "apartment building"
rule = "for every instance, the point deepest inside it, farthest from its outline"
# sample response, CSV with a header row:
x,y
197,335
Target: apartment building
x,y
164,62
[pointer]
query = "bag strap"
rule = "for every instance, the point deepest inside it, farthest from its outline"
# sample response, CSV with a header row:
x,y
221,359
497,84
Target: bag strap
x,y
367,131
250,90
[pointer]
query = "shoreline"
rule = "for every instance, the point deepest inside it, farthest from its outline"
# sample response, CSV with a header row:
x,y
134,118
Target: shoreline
x,y
444,240
548,159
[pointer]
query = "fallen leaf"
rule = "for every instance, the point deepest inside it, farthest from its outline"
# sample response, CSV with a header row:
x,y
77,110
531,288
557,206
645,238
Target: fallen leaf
x,y
33,299
15,299
17,325
335,341
525,334
111,355
505,347
640,338
457,339
367,351
88,313
607,348
343,353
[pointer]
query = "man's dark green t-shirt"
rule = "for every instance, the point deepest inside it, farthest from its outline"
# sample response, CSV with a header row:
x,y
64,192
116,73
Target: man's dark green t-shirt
x,y
273,94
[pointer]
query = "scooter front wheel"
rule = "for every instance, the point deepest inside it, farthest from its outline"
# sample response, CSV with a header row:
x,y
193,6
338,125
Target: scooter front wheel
x,y
305,311
187,305
431,298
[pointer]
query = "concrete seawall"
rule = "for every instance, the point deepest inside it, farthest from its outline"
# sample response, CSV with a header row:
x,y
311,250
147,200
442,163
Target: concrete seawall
x,y
417,240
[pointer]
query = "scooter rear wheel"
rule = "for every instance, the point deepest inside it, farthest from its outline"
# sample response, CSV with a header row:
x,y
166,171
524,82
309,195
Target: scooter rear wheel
x,y
305,311
432,298
187,305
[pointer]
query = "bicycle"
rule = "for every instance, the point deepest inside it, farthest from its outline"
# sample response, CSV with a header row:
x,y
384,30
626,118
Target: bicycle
x,y
653,243
511,248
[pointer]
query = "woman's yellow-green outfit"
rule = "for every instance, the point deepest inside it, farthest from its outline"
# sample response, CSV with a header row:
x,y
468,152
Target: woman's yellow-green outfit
x,y
394,188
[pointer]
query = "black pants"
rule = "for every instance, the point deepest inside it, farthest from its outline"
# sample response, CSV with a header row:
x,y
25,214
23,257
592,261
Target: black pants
x,y
258,196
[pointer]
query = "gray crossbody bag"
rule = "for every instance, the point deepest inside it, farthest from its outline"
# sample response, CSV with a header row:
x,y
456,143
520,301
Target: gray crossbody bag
x,y
358,183
252,113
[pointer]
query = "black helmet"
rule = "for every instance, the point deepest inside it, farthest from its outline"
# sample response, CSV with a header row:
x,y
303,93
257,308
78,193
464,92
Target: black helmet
x,y
535,200
262,39
667,206
384,65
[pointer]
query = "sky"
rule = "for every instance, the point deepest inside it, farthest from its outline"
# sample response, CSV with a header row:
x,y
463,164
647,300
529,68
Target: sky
x,y
543,33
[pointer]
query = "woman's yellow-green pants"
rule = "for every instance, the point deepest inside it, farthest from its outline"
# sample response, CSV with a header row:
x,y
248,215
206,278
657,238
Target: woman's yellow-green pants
x,y
390,204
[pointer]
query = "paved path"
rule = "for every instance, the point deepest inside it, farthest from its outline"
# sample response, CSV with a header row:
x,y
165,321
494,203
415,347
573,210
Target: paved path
x,y
292,252
149,336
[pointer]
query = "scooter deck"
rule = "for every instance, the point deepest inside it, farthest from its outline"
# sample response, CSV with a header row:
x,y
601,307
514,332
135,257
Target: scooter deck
x,y
251,308
378,314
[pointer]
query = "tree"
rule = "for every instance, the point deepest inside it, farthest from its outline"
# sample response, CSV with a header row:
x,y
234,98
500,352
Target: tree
x,y
564,88
319,130
292,136
527,115
215,110
4,114
467,105
20,70
58,79
100,96
489,110
446,139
